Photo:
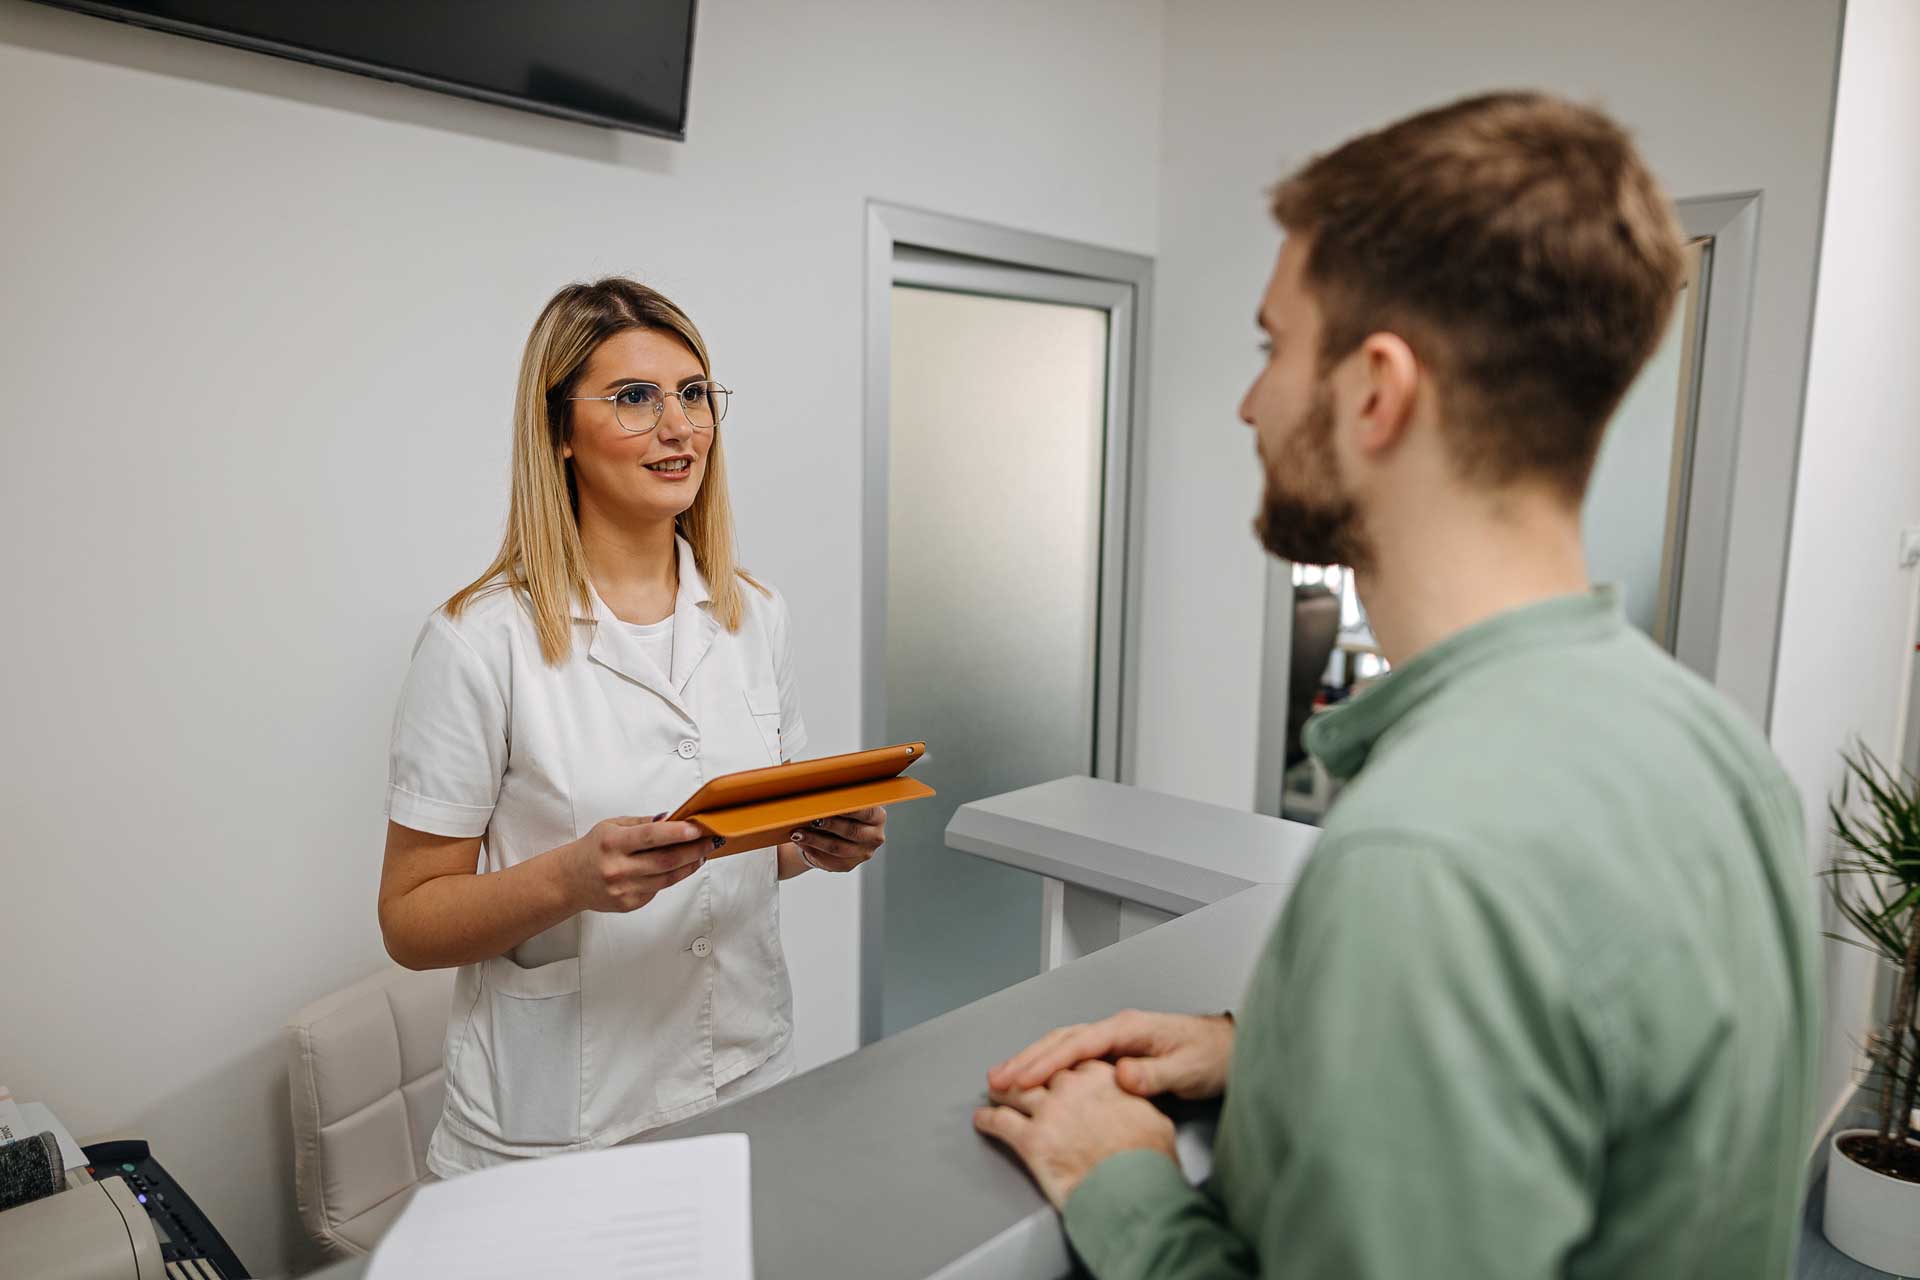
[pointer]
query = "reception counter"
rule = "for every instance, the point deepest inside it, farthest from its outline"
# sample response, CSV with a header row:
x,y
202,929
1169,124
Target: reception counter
x,y
870,1166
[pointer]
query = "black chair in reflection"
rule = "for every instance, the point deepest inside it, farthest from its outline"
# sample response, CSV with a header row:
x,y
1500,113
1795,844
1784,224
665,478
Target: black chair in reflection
x,y
1316,628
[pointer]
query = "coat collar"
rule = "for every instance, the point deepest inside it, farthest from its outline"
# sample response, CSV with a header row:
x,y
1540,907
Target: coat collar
x,y
693,631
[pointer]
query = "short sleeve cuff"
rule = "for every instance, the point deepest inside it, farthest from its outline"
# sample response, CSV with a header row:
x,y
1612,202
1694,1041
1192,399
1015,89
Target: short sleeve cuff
x,y
436,817
1123,1194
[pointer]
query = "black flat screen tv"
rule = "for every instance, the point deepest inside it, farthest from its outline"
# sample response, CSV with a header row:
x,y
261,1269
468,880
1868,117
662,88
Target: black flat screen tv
x,y
618,63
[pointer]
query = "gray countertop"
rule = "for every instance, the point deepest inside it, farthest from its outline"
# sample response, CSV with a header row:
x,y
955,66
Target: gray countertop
x,y
869,1165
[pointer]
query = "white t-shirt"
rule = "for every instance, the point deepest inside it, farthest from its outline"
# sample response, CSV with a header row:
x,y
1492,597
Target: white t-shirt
x,y
656,642
607,1024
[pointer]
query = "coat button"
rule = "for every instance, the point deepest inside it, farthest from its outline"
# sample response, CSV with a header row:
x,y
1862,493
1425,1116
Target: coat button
x,y
688,749
702,947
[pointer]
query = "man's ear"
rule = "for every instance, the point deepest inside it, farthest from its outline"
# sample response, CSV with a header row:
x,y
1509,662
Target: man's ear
x,y
1388,374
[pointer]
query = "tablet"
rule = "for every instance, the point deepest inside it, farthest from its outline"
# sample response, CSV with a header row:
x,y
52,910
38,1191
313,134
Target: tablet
x,y
757,808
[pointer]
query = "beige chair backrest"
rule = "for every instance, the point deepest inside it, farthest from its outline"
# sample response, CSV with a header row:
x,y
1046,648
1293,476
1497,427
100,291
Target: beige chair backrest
x,y
365,1072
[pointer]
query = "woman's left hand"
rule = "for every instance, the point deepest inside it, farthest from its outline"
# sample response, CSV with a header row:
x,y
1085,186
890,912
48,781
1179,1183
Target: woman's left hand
x,y
843,843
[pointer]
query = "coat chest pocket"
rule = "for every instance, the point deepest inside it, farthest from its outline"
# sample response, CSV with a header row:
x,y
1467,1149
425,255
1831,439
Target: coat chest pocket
x,y
764,704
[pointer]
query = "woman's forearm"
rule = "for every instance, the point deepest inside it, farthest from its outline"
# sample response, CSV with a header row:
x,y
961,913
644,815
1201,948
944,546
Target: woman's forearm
x,y
466,918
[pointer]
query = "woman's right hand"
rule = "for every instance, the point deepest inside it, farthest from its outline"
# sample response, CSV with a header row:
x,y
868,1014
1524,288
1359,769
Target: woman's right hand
x,y
623,862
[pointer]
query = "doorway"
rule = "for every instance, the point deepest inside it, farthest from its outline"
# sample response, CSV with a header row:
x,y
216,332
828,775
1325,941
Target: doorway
x,y
1001,502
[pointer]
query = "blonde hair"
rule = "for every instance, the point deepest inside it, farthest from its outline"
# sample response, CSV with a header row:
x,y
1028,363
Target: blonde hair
x,y
540,555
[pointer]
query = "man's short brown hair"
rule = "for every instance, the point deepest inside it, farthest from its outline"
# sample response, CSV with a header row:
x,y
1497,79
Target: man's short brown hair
x,y
1519,244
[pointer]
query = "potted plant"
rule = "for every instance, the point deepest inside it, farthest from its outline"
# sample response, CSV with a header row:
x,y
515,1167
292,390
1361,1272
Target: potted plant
x,y
1873,1175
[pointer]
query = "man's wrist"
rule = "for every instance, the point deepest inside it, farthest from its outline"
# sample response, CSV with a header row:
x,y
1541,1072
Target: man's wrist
x,y
1129,1168
1101,1210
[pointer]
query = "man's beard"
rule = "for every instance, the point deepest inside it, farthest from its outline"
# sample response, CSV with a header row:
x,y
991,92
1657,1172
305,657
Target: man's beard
x,y
1304,516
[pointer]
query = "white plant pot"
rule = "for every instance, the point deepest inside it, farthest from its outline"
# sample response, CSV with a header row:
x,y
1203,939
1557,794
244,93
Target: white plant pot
x,y
1870,1217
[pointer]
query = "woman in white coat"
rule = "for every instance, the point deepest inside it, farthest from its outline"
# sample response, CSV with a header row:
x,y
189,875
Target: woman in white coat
x,y
612,659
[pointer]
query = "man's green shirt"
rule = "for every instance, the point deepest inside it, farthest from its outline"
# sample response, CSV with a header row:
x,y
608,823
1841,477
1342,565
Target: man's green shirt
x,y
1543,1003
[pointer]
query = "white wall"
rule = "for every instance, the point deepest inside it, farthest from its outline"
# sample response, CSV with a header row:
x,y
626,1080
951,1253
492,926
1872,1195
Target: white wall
x,y
258,339
1723,95
1846,638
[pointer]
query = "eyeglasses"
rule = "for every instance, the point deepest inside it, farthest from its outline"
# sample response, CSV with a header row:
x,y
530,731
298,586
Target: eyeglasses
x,y
638,405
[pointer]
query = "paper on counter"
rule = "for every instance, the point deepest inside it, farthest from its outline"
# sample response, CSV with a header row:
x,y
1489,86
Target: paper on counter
x,y
655,1211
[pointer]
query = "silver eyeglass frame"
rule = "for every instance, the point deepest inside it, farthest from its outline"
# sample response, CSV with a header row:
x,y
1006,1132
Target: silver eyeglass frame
x,y
660,406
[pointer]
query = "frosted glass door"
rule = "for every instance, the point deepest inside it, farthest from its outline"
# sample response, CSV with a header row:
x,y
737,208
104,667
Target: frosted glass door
x,y
996,449
1635,518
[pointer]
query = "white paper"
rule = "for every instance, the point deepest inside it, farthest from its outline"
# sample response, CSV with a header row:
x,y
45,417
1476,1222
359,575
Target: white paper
x,y
24,1119
35,1118
657,1211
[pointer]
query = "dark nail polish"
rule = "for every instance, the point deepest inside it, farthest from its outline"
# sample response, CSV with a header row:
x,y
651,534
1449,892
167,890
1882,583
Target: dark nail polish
x,y
819,822
718,841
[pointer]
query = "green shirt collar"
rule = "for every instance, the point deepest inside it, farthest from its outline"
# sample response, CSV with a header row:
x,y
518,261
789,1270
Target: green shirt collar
x,y
1342,738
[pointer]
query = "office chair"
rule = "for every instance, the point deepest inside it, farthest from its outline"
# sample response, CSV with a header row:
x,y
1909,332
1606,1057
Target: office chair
x,y
365,1071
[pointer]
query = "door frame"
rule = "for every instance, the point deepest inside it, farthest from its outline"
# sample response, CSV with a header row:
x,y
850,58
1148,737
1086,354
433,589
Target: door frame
x,y
931,250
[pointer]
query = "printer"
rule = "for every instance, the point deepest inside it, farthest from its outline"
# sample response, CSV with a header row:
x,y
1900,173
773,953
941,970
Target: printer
x,y
93,1231
119,1215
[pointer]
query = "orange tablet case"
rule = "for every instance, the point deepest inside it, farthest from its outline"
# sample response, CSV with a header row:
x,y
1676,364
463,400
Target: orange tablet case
x,y
762,807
